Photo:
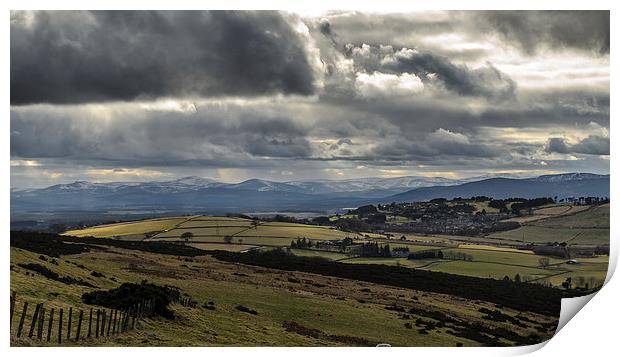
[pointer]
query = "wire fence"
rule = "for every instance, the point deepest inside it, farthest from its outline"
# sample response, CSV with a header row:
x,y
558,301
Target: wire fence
x,y
58,325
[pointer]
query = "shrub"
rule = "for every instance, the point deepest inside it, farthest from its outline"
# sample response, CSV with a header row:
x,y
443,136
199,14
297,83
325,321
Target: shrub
x,y
46,272
130,294
246,309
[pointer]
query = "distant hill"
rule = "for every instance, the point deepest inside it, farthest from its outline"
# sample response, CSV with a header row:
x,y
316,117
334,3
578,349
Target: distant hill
x,y
87,201
562,186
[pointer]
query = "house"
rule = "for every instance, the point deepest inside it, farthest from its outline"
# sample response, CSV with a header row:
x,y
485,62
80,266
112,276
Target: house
x,y
400,252
572,261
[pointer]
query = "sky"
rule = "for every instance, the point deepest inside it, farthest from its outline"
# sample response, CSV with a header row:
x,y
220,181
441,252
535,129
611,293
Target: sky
x,y
141,95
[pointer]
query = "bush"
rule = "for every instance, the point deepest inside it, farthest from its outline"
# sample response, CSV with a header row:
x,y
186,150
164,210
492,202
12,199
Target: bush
x,y
130,294
246,309
46,272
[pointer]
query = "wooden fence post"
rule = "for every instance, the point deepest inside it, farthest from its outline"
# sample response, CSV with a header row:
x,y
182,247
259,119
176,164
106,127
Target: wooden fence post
x,y
69,323
60,326
97,325
103,323
79,326
41,322
21,320
133,317
90,322
13,298
114,324
35,318
49,325
109,323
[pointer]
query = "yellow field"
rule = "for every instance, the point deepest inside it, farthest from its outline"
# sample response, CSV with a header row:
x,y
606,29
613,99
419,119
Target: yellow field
x,y
128,228
549,212
223,246
494,248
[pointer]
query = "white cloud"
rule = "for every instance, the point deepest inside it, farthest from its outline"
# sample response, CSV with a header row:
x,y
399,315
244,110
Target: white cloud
x,y
377,84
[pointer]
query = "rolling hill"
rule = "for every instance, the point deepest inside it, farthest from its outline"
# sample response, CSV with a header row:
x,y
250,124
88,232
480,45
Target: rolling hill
x,y
83,201
562,186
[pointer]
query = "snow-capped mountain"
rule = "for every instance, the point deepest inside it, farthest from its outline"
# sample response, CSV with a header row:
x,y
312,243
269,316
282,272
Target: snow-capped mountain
x,y
370,184
574,176
195,194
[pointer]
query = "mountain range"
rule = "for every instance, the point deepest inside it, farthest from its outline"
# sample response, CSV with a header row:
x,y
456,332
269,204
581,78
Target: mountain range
x,y
201,195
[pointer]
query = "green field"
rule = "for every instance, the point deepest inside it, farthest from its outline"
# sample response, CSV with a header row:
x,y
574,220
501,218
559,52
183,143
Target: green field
x,y
489,260
536,234
485,270
595,217
493,262
319,253
585,227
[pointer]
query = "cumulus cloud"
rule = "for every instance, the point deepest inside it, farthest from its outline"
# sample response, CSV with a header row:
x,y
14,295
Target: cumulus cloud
x,y
484,81
379,84
77,57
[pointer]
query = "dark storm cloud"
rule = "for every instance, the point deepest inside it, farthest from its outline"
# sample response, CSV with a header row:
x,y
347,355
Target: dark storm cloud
x,y
591,145
76,57
530,30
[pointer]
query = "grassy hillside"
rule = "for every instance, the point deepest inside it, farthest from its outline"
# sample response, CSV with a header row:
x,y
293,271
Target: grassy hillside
x,y
583,227
345,312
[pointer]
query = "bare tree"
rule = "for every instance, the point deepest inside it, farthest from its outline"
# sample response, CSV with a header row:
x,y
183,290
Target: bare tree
x,y
228,239
544,262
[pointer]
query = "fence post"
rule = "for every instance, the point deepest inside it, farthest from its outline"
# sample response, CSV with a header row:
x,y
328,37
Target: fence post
x,y
35,318
49,325
90,322
114,324
133,317
109,323
60,326
97,325
21,320
79,326
41,322
69,323
103,323
13,297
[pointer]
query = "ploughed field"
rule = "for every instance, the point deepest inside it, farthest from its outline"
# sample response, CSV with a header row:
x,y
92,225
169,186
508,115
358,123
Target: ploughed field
x,y
286,305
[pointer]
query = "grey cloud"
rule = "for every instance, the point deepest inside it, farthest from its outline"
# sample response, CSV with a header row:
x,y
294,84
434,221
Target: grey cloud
x,y
207,137
557,145
436,146
591,145
76,57
486,81
527,30
531,30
